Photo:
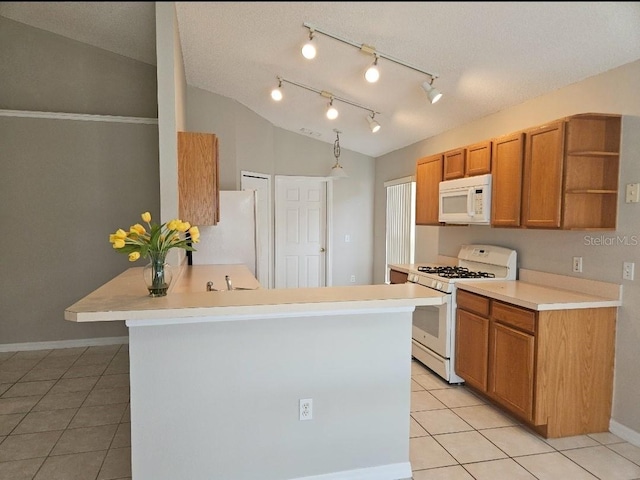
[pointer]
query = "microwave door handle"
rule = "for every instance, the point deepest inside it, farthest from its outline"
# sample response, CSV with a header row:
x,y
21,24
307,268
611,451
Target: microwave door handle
x,y
470,210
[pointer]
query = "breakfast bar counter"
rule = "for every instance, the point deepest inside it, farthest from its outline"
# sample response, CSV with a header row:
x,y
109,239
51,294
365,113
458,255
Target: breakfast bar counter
x,y
217,377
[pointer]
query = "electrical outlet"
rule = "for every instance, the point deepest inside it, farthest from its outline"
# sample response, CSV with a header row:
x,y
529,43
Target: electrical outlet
x,y
347,238
577,264
633,193
306,409
353,279
627,270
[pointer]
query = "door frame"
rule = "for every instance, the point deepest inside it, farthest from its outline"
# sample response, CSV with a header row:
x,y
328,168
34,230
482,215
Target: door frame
x,y
328,258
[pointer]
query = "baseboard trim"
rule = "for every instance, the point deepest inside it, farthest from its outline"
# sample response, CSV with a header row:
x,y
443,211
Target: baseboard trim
x,y
393,471
81,342
625,433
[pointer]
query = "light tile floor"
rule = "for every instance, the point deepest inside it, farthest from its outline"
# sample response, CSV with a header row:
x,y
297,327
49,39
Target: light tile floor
x,y
64,415
456,435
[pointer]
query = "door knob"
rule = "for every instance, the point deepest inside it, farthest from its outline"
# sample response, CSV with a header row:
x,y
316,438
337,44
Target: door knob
x,y
322,249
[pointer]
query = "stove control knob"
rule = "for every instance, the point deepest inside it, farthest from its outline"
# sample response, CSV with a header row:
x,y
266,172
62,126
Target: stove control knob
x,y
439,286
434,284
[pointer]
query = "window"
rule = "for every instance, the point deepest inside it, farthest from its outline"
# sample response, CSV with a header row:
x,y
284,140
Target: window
x,y
400,221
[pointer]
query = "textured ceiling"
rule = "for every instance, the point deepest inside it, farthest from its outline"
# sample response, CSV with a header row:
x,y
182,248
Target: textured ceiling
x,y
488,55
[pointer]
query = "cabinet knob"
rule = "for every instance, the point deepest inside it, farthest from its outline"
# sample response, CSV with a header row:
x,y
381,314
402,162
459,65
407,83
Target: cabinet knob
x,y
322,249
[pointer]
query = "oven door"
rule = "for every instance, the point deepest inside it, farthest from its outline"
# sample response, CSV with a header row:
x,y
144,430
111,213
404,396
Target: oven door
x,y
432,327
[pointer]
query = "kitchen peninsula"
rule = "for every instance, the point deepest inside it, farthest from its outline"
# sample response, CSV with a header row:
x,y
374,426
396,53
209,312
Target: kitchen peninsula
x,y
217,376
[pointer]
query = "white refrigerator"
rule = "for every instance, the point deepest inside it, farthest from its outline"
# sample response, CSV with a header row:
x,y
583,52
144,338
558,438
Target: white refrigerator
x,y
233,240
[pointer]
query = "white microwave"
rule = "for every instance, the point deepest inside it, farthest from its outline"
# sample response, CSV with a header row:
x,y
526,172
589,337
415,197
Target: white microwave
x,y
465,200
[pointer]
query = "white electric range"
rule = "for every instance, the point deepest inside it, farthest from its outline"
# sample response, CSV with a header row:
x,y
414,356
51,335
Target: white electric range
x,y
433,336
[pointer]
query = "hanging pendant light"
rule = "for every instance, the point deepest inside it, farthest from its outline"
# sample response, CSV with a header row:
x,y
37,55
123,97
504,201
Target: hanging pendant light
x,y
337,171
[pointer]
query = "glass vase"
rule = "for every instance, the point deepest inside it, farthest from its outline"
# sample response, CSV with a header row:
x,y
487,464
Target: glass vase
x,y
157,274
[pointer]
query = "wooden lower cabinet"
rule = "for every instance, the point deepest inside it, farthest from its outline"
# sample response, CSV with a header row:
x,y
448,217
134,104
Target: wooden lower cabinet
x,y
551,369
472,348
396,276
511,365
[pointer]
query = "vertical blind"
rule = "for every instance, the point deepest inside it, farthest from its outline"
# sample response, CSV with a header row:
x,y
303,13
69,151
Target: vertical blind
x,y
400,222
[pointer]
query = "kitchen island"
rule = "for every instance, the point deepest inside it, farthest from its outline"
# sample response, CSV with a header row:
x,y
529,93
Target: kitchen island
x,y
217,376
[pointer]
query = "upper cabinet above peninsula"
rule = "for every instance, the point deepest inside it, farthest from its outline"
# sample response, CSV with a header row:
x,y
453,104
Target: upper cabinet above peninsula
x,y
198,179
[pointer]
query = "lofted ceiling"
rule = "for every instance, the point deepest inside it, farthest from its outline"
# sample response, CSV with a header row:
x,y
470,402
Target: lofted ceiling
x,y
488,56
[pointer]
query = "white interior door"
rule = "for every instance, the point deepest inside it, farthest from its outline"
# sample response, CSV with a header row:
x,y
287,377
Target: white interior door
x,y
301,232
261,183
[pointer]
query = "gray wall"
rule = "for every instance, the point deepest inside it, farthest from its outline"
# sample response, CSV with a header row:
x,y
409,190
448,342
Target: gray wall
x,y
615,91
66,184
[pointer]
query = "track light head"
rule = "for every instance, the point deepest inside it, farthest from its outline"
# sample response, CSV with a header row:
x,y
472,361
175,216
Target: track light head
x,y
372,74
276,93
373,124
332,112
433,93
309,48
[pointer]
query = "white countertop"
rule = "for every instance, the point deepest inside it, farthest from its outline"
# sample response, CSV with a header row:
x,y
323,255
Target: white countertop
x,y
125,297
540,290
536,297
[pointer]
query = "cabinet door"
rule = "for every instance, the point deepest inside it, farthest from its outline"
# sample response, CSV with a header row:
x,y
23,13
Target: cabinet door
x,y
542,184
478,161
454,164
397,277
472,343
507,157
198,192
428,178
511,363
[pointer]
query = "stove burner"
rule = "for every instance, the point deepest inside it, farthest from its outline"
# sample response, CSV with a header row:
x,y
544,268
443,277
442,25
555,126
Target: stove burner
x,y
455,272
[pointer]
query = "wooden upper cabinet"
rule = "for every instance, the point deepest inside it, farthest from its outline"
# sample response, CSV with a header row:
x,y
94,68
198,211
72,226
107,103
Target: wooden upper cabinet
x,y
478,159
542,181
198,191
428,178
468,161
506,193
592,151
454,164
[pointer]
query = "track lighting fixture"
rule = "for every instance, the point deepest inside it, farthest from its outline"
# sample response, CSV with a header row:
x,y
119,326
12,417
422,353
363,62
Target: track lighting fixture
x,y
337,170
332,111
276,93
373,124
309,48
372,74
433,93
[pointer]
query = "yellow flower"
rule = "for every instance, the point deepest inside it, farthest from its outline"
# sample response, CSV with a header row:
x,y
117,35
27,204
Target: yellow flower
x,y
137,228
195,234
173,224
155,239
